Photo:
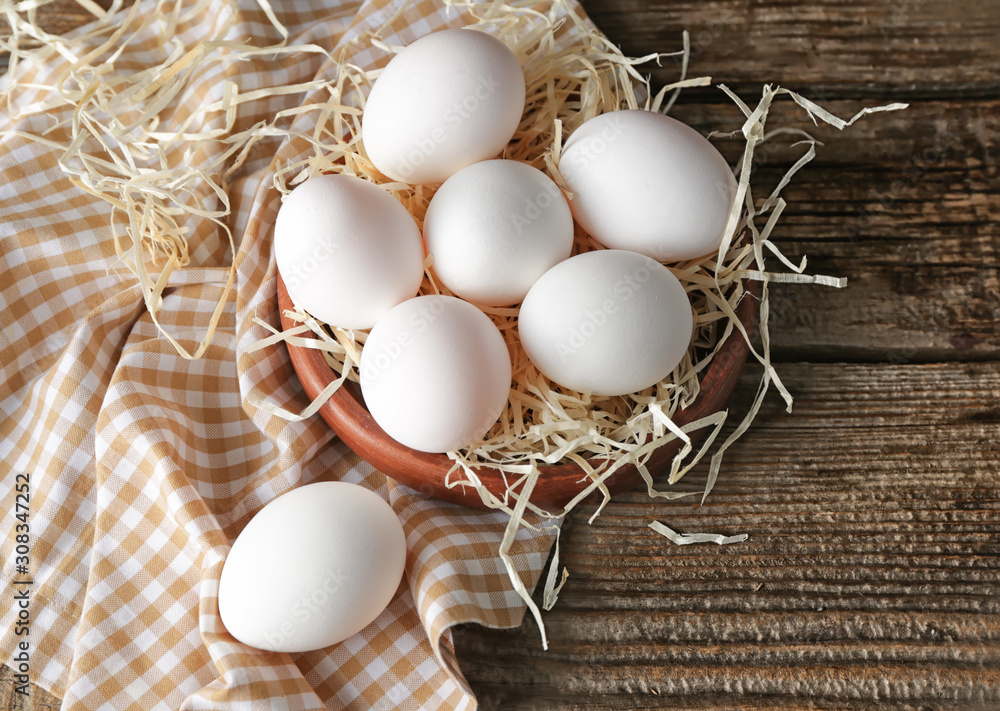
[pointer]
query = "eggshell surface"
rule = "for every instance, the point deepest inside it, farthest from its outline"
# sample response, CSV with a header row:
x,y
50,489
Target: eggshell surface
x,y
607,322
435,373
448,100
312,568
347,250
494,227
648,183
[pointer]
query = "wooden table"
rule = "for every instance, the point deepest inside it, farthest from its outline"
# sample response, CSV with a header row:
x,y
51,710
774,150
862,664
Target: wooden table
x,y
871,577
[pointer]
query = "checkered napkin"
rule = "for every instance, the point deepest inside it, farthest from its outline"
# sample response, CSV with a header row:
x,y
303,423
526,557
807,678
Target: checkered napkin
x,y
143,465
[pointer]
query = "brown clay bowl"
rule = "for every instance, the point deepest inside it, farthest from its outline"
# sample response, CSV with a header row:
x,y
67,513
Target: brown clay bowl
x,y
345,412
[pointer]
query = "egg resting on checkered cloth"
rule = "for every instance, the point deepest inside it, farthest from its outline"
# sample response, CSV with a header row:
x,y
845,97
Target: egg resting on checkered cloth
x,y
145,465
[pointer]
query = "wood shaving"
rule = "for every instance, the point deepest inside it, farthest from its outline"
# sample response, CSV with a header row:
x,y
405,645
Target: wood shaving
x,y
686,539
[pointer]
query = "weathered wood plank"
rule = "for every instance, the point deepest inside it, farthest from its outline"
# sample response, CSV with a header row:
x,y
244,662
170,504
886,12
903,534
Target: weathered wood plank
x,y
751,689
905,205
37,699
849,396
927,137
904,49
871,577
55,18
888,312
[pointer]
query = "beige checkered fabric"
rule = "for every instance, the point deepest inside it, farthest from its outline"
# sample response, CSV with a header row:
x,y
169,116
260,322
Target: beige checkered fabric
x,y
144,466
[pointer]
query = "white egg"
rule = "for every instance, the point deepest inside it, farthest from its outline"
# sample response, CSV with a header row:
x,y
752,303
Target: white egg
x,y
347,250
312,568
449,99
435,373
494,227
648,183
607,322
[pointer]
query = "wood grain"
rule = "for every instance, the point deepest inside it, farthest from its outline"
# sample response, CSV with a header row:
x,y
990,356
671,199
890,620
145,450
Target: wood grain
x,y
869,579
37,698
891,49
54,18
906,206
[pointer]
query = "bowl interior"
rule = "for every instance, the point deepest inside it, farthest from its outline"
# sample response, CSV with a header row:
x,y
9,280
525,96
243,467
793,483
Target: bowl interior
x,y
345,412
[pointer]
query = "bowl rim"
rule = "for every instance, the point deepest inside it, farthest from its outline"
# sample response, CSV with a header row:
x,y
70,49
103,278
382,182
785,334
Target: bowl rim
x,y
559,483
